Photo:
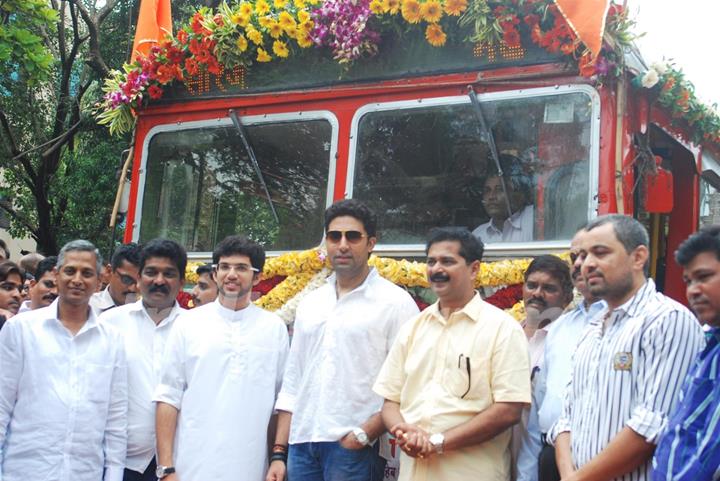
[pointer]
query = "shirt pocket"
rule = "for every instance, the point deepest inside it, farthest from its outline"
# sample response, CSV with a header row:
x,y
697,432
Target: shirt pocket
x,y
465,377
98,381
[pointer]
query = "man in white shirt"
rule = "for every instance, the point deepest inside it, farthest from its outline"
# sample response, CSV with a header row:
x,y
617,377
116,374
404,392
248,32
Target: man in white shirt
x,y
205,291
63,384
343,332
221,372
508,201
43,289
145,326
122,274
536,460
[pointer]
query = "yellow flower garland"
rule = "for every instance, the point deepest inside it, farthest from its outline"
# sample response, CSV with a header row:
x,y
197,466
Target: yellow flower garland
x,y
300,267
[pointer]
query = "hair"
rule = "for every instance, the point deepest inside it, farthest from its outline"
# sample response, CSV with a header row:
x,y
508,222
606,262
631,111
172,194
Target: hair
x,y
204,269
352,208
8,268
554,266
129,253
706,239
44,266
628,231
29,262
471,248
5,249
514,172
167,249
80,245
240,245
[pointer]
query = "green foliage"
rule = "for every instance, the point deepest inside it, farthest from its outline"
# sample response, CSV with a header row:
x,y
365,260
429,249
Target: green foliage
x,y
21,47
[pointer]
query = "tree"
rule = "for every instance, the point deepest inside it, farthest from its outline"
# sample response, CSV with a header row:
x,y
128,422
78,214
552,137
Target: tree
x,y
53,60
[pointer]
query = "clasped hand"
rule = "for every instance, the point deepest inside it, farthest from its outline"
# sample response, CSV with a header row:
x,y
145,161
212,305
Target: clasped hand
x,y
414,441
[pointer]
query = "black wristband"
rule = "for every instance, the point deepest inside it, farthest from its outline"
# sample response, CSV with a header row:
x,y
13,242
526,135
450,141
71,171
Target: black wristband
x,y
278,457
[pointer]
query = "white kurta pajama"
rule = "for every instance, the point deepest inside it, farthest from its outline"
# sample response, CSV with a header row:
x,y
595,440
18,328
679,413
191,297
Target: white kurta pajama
x,y
222,370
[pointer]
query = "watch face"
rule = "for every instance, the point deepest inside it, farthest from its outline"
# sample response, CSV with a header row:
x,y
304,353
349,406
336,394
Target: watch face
x,y
160,471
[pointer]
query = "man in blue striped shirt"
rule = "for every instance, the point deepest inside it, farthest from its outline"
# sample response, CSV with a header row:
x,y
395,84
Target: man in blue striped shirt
x,y
689,450
629,363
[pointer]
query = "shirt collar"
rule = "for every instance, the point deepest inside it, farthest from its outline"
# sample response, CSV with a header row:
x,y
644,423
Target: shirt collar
x,y
231,314
513,221
713,335
362,288
52,313
138,306
594,308
636,302
471,310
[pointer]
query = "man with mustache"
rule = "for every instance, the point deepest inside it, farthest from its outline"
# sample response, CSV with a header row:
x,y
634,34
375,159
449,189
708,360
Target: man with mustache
x,y
63,383
457,376
43,288
689,450
628,364
145,326
343,331
536,460
220,377
122,275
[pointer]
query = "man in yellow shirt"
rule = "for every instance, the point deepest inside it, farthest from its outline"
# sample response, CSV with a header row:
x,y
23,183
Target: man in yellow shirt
x,y
458,375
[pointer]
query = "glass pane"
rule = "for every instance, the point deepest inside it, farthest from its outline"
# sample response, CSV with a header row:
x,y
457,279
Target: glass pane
x,y
709,204
201,185
425,167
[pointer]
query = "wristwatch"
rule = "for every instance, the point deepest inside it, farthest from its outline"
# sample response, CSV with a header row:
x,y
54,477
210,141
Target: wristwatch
x,y
361,436
437,440
162,471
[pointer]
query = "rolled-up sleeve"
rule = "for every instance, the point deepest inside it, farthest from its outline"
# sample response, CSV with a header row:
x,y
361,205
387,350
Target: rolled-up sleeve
x,y
115,440
173,379
391,380
669,347
562,425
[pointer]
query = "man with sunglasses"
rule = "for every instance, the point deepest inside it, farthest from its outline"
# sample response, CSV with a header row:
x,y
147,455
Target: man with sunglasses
x,y
457,376
145,326
221,373
122,273
343,331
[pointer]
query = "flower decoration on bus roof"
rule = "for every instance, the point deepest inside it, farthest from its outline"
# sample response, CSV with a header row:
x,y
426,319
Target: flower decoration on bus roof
x,y
677,96
250,32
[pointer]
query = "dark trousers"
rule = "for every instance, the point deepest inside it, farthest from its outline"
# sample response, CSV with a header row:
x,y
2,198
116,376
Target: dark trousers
x,y
148,475
547,467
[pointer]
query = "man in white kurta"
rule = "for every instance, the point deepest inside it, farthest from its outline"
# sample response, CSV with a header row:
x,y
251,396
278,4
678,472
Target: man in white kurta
x,y
63,384
221,373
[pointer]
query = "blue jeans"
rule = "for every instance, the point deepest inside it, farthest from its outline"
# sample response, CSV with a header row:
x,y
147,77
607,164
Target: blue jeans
x,y
328,461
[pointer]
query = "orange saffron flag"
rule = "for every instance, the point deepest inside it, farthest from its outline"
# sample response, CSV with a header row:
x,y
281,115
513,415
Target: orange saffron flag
x,y
154,23
587,19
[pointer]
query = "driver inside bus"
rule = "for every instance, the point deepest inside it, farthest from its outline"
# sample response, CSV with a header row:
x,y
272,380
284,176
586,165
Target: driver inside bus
x,y
512,217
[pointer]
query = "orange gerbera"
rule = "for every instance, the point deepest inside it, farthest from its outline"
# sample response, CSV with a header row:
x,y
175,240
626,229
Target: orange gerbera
x,y
435,35
411,11
431,11
455,7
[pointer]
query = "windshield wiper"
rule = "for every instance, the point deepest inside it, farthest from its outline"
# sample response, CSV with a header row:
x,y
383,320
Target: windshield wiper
x,y
477,109
251,153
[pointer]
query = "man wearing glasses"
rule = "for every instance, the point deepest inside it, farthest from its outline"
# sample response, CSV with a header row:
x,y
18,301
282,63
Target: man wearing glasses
x,y
457,376
145,326
221,373
122,285
343,331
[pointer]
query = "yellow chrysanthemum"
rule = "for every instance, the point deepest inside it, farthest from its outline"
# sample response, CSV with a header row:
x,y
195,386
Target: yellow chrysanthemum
x,y
287,22
394,6
263,56
254,36
262,7
411,11
265,21
246,9
241,43
376,7
299,4
303,16
280,49
455,7
306,26
303,40
241,20
435,35
431,11
275,29
279,4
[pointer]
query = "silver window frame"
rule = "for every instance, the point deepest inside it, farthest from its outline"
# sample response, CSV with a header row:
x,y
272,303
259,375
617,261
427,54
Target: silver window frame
x,y
498,250
225,122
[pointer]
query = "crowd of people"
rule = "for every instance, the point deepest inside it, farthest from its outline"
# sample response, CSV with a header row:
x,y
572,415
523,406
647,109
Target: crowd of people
x,y
605,379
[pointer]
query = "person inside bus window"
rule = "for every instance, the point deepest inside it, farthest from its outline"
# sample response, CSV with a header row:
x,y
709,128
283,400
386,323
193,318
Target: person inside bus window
x,y
516,223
